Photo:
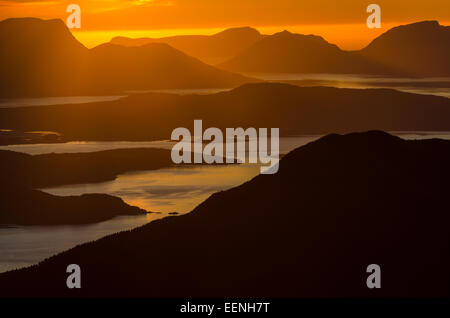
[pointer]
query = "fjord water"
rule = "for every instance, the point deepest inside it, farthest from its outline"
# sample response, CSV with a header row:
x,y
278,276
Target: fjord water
x,y
23,246
176,189
167,190
439,86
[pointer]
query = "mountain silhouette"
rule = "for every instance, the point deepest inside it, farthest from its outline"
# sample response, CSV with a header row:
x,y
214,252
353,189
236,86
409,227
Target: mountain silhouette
x,y
287,52
211,49
335,206
418,49
154,65
42,58
39,57
295,110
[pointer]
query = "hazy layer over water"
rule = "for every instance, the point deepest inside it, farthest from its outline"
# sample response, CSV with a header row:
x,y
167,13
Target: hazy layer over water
x,y
43,101
439,86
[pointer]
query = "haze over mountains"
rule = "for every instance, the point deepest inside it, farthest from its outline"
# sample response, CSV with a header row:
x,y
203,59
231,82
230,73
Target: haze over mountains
x,y
419,49
42,58
335,206
212,49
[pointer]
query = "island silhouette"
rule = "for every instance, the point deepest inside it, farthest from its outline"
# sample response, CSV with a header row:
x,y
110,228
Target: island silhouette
x,y
295,110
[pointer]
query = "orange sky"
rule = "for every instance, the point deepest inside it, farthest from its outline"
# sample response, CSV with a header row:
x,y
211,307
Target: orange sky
x,y
338,21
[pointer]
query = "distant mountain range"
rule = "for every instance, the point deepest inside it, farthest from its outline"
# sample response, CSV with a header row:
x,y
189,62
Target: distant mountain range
x,y
42,58
419,49
212,49
311,230
295,110
286,52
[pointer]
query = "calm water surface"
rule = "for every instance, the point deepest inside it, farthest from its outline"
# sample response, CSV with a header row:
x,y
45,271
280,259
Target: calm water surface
x,y
25,246
167,190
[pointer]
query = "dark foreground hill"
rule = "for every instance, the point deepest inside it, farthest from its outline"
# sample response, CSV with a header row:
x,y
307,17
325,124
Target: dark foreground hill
x,y
42,58
335,206
22,174
295,110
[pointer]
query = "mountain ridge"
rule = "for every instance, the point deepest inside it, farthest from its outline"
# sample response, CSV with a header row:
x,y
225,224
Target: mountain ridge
x,y
412,50
211,49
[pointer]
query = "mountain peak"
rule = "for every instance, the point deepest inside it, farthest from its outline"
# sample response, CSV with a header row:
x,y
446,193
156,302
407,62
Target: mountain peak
x,y
284,32
433,23
240,30
38,31
34,25
421,26
417,49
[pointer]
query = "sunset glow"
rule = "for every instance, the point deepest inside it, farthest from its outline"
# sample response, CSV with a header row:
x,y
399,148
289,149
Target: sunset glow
x,y
342,23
